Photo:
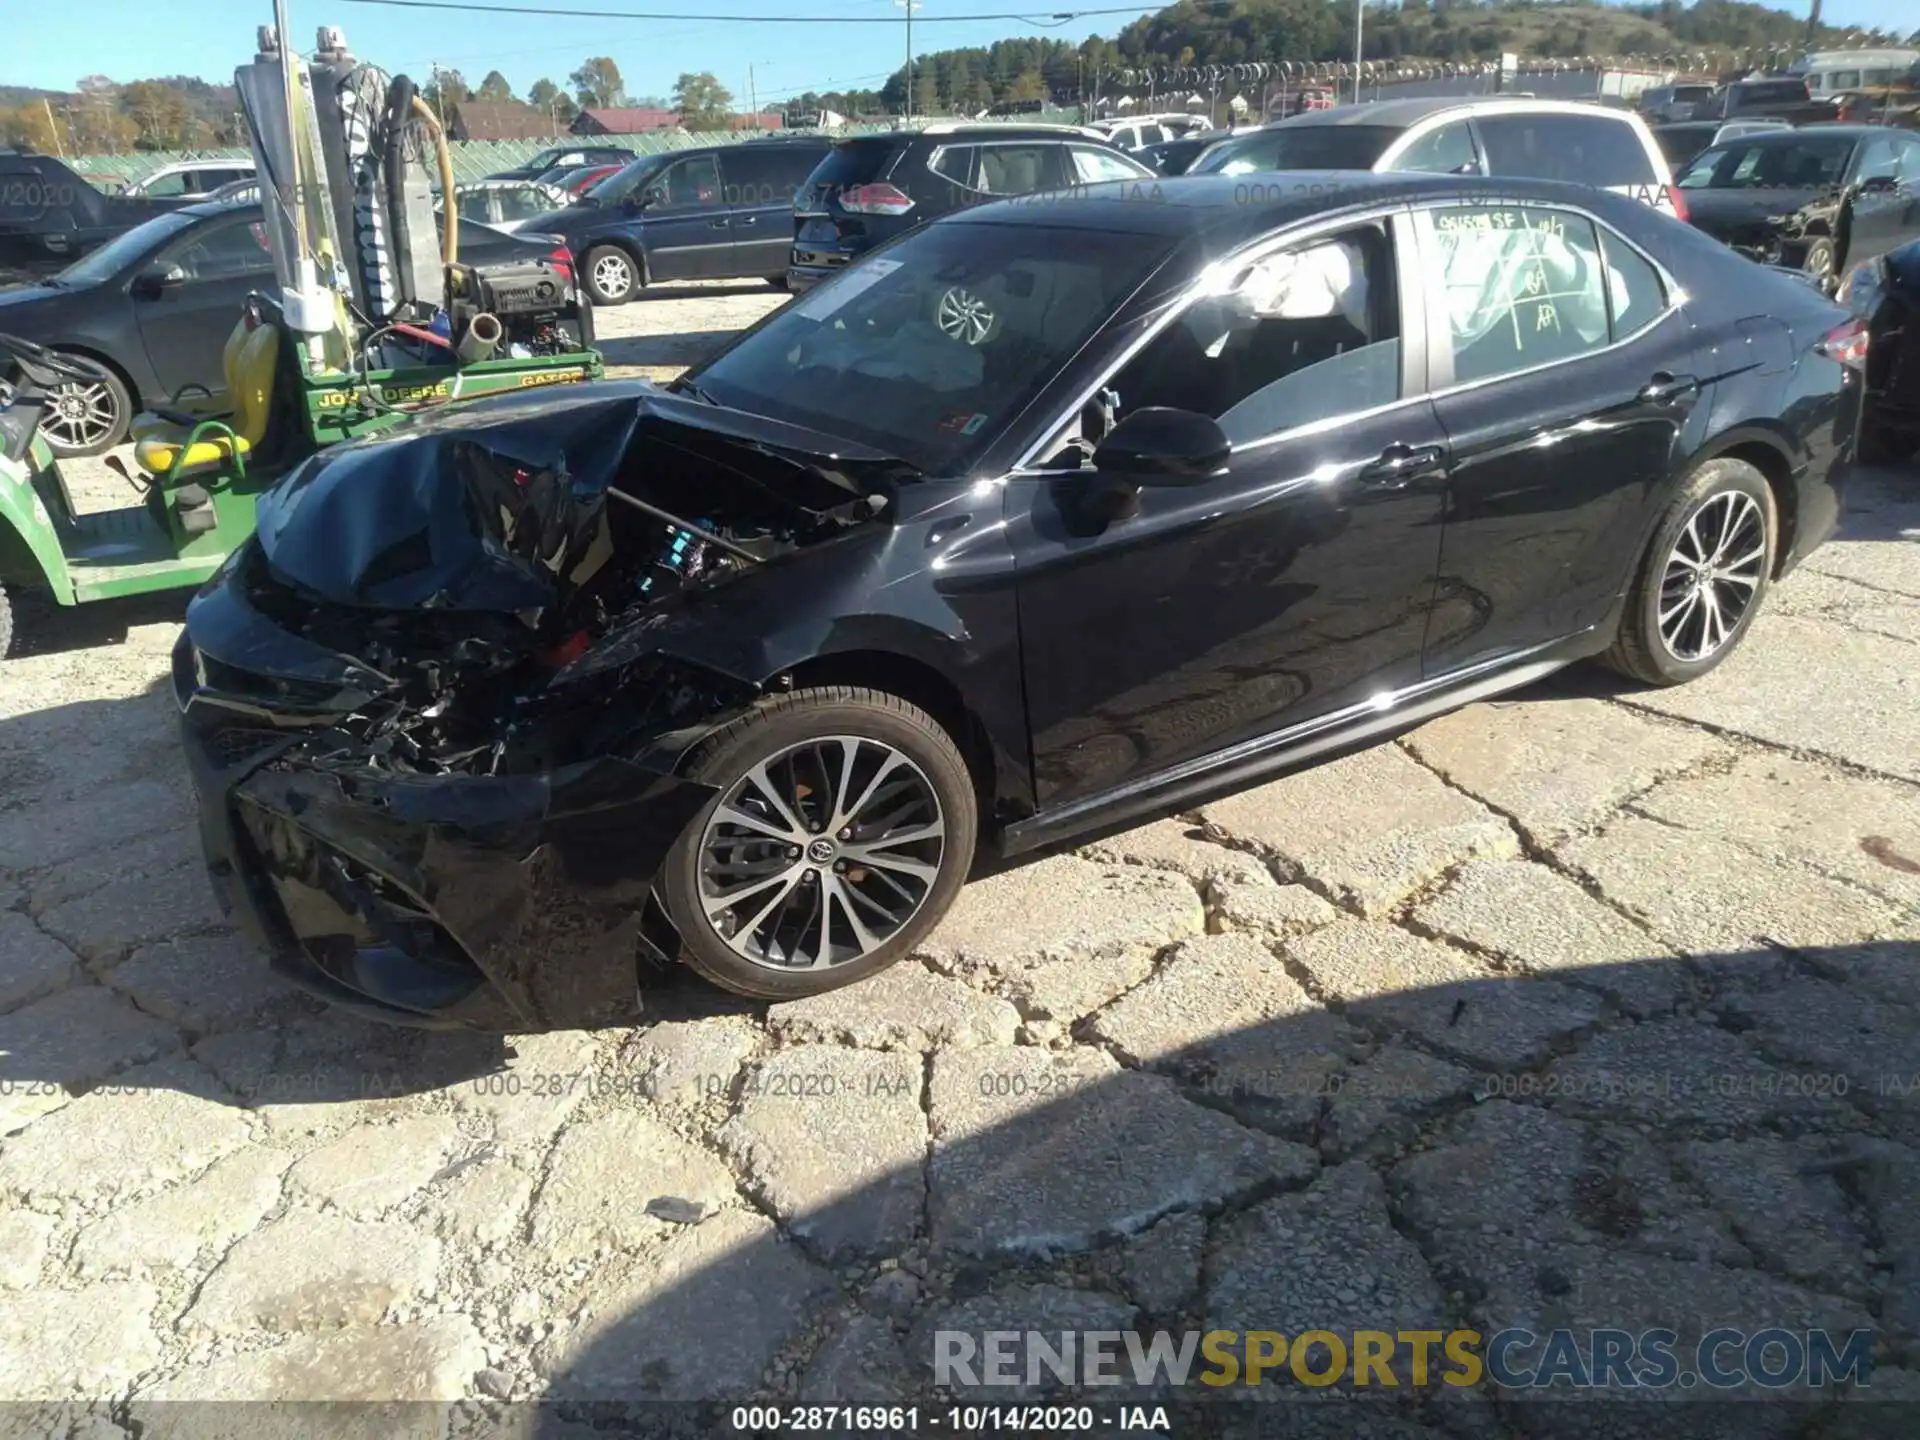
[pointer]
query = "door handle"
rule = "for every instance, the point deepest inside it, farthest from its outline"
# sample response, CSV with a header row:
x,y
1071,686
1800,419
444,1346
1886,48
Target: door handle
x,y
1665,389
745,219
1399,464
719,224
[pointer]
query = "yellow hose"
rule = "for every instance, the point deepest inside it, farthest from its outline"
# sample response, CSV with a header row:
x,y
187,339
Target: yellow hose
x,y
450,238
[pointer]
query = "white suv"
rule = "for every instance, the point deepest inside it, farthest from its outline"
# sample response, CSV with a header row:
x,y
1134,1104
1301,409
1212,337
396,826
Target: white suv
x,y
190,179
1570,140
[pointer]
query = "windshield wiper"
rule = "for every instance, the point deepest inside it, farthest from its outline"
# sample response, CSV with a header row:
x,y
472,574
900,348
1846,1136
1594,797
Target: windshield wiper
x,y
691,388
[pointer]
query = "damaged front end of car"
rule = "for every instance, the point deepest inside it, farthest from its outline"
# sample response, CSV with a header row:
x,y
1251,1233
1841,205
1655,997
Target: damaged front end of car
x,y
434,710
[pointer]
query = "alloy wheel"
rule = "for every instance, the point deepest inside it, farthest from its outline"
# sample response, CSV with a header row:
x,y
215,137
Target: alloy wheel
x,y
964,316
612,274
80,415
821,853
1712,575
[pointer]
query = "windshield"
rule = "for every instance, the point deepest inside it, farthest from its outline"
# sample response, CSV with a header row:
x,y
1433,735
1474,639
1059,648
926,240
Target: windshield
x,y
122,250
1804,163
1300,147
621,183
928,348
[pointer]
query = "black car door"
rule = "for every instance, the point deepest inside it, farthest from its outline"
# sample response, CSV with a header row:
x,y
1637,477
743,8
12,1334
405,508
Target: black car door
x,y
760,185
187,300
1295,583
1885,197
1563,370
684,225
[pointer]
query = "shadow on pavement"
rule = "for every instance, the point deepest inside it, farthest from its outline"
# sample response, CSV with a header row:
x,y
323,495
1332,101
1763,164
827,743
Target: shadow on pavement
x,y
1664,1145
43,627
679,349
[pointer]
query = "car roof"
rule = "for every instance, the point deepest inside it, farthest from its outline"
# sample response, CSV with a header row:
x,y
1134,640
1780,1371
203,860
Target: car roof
x,y
1402,114
1787,137
983,130
1226,210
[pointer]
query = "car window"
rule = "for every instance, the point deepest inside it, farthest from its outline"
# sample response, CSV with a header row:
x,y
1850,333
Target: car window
x,y
1908,158
1300,147
955,163
1879,160
522,203
1521,286
1636,297
926,350
235,248
694,181
766,175
1302,335
168,186
1446,151
1811,162
1016,169
1581,149
1093,166
475,205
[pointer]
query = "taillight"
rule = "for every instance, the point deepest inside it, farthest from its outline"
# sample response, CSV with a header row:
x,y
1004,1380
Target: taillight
x,y
561,258
1847,344
876,200
1679,204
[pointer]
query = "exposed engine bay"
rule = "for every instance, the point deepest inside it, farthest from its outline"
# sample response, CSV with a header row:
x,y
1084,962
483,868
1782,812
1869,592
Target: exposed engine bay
x,y
491,582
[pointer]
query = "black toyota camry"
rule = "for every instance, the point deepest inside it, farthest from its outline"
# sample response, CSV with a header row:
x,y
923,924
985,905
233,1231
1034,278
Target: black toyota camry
x,y
1053,514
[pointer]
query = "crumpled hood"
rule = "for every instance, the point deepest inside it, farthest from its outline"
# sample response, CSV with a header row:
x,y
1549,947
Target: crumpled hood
x,y
490,507
1743,214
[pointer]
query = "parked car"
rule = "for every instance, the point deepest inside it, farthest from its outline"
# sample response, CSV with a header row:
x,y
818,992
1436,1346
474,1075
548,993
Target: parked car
x,y
155,306
50,215
1785,97
578,179
1822,199
1665,104
1885,294
1137,132
1735,129
558,155
191,179
1488,135
1063,516
508,204
872,188
1174,157
719,212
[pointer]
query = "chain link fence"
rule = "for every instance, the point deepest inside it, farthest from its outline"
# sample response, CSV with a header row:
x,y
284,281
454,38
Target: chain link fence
x,y
472,159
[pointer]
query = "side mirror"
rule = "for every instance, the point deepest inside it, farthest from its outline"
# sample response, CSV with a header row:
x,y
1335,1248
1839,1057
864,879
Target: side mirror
x,y
1878,185
150,283
1162,446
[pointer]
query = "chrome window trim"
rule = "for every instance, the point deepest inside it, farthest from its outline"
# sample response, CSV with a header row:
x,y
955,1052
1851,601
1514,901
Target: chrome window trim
x,y
1440,356
1249,252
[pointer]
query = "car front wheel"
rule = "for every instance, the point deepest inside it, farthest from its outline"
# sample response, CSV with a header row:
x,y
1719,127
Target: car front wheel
x,y
843,829
611,275
1702,579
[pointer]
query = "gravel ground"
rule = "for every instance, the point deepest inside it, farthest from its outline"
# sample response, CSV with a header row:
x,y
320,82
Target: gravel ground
x,y
1588,1007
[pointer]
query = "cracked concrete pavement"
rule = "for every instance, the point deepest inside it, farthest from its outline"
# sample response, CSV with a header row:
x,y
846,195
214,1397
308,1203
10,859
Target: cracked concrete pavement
x,y
1591,1006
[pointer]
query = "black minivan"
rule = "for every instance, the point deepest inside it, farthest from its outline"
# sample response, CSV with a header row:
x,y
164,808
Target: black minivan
x,y
874,187
719,212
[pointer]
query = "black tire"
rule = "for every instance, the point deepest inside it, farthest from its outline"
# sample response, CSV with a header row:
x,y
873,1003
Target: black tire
x,y
611,275
1641,651
1823,262
1884,445
778,282
770,733
65,432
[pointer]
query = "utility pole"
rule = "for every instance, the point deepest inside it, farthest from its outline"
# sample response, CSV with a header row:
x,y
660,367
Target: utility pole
x,y
909,6
1359,19
58,148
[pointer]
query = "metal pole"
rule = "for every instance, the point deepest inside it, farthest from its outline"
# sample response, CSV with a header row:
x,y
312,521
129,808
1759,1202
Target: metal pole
x,y
909,61
58,148
1359,18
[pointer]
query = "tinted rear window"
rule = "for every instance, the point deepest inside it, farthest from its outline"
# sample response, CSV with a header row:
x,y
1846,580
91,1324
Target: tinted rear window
x,y
1582,149
1806,162
1302,147
1691,94
855,162
1680,146
1771,92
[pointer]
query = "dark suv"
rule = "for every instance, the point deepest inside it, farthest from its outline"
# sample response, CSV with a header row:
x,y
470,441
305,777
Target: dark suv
x,y
716,213
874,187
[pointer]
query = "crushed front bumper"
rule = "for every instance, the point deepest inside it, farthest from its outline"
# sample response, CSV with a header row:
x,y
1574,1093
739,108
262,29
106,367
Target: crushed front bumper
x,y
506,903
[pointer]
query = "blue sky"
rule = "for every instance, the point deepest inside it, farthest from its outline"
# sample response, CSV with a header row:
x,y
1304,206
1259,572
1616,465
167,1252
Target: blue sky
x,y
53,45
